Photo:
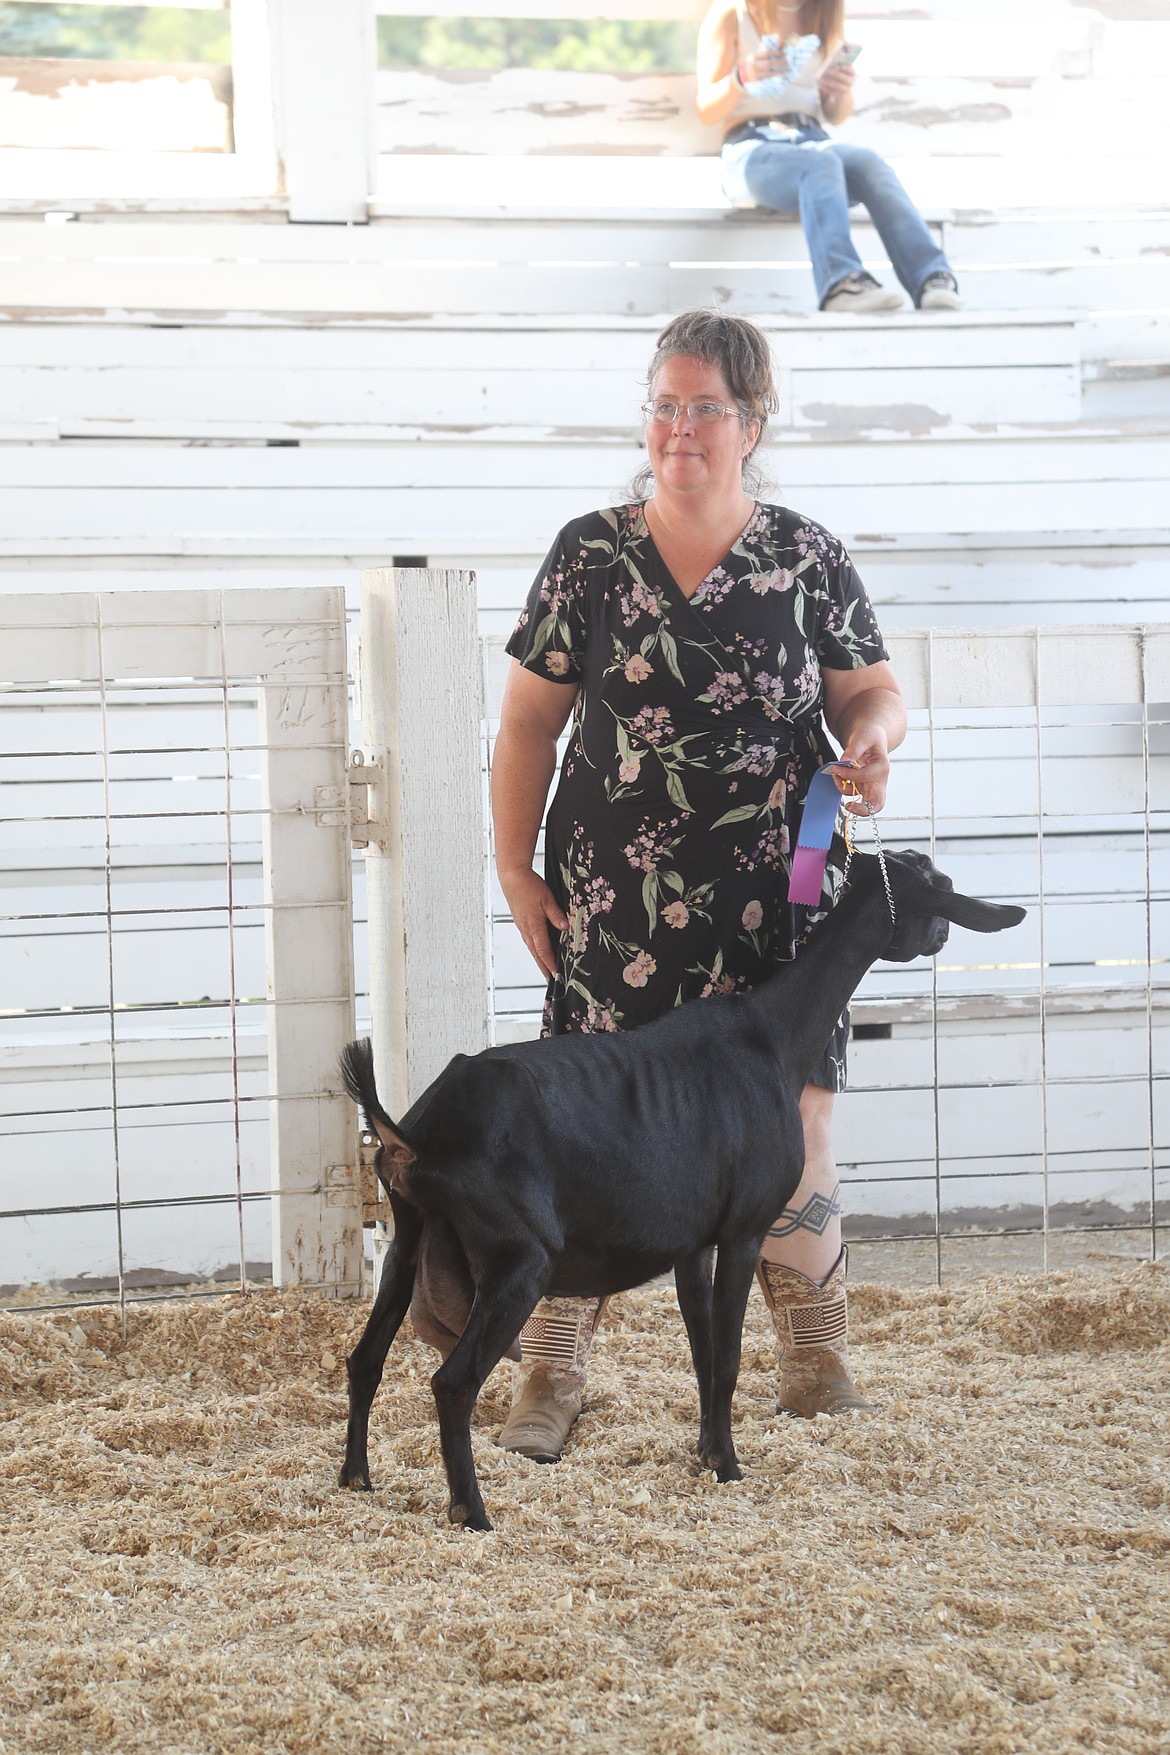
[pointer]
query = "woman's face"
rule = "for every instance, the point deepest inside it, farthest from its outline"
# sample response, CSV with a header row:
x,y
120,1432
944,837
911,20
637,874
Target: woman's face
x,y
689,457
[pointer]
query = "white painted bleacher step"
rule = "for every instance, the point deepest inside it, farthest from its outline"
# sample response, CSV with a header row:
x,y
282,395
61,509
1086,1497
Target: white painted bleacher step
x,y
480,501
562,260
901,374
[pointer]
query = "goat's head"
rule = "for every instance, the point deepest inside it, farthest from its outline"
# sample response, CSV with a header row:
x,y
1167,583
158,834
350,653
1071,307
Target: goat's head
x,y
927,903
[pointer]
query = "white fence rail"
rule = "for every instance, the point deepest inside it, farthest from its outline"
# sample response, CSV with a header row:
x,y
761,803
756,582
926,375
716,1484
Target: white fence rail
x,y
1021,1085
176,936
176,940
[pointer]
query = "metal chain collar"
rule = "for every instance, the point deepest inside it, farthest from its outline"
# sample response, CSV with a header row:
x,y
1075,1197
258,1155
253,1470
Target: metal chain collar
x,y
881,857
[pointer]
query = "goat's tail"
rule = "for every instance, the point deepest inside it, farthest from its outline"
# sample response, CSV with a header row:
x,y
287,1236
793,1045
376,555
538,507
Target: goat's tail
x,y
357,1075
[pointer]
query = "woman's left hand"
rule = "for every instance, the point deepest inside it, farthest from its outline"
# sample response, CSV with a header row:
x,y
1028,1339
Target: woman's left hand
x,y
868,748
864,711
835,86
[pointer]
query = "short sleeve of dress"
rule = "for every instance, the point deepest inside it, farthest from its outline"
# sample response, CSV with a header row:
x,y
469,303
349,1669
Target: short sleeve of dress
x,y
848,637
549,639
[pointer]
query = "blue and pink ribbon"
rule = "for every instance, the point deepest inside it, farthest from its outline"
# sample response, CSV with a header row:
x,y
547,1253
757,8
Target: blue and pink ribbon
x,y
816,834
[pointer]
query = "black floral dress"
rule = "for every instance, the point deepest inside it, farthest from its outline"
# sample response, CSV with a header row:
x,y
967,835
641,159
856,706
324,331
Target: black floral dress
x,y
696,732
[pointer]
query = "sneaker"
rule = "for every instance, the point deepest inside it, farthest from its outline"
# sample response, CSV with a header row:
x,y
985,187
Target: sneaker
x,y
939,293
861,292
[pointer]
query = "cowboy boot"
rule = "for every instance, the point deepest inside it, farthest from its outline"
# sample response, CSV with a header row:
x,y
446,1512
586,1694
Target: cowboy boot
x,y
811,1340
547,1384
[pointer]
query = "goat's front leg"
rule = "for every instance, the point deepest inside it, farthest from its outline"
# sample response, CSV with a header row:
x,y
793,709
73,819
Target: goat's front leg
x,y
733,1282
504,1300
692,1283
363,1368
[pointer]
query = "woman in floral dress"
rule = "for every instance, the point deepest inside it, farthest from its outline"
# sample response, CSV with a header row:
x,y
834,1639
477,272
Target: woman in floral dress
x,y
701,641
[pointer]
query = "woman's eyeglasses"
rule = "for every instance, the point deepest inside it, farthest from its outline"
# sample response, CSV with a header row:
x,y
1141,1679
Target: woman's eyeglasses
x,y
700,414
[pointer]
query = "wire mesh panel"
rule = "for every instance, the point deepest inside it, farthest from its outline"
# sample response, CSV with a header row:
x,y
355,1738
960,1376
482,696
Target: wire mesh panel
x,y
175,944
1014,1090
1008,1101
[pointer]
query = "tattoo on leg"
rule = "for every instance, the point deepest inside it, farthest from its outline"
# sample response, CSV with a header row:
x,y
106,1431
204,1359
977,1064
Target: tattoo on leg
x,y
813,1216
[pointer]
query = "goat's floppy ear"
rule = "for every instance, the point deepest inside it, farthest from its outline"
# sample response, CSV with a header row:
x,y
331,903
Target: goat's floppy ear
x,y
976,916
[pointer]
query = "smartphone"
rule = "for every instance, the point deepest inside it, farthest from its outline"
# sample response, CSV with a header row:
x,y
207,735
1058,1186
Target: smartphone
x,y
846,55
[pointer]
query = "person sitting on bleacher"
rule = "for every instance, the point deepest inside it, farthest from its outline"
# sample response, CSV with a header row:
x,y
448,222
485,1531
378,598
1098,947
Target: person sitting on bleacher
x,y
776,95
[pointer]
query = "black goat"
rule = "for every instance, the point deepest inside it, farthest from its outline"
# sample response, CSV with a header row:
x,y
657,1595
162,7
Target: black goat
x,y
584,1165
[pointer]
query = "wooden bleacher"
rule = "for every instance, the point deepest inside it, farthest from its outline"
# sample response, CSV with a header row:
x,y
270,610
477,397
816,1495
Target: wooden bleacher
x,y
196,382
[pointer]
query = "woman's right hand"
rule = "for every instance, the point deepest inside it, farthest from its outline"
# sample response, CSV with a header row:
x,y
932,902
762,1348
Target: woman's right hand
x,y
533,906
765,64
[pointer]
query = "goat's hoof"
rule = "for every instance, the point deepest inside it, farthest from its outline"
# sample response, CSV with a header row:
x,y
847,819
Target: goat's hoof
x,y
357,1480
723,1467
470,1520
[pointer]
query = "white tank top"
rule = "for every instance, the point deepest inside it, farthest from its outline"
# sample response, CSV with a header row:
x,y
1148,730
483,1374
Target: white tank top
x,y
801,98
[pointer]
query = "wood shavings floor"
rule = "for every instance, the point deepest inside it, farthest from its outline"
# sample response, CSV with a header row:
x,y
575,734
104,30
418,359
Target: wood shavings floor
x,y
980,1567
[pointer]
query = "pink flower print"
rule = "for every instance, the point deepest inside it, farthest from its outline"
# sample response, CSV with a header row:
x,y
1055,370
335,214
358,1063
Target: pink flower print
x,y
628,771
770,850
758,758
721,984
557,663
777,796
714,587
649,847
771,691
778,580
637,669
601,896
652,725
808,684
639,600
727,691
637,973
554,591
811,539
752,916
598,1017
587,901
676,914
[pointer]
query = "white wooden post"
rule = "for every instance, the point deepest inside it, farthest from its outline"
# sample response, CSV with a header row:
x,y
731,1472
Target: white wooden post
x,y
422,712
324,61
317,1216
253,115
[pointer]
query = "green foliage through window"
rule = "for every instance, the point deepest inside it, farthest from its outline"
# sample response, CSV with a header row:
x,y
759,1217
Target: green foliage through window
x,y
115,33
581,45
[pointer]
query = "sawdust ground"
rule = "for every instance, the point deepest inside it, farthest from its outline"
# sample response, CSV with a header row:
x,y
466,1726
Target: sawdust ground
x,y
979,1567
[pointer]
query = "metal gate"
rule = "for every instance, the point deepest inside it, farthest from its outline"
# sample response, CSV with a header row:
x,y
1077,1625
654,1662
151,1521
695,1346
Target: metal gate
x,y
176,964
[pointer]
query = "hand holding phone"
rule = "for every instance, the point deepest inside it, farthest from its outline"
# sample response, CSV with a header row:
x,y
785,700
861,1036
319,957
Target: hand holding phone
x,y
845,55
835,82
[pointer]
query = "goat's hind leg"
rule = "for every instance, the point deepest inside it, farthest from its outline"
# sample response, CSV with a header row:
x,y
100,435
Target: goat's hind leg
x,y
363,1368
504,1301
692,1284
733,1282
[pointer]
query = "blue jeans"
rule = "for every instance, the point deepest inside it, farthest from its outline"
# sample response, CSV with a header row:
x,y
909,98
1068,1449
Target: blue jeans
x,y
804,170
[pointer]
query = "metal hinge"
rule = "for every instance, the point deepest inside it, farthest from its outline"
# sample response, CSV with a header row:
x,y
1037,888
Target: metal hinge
x,y
365,825
375,1206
